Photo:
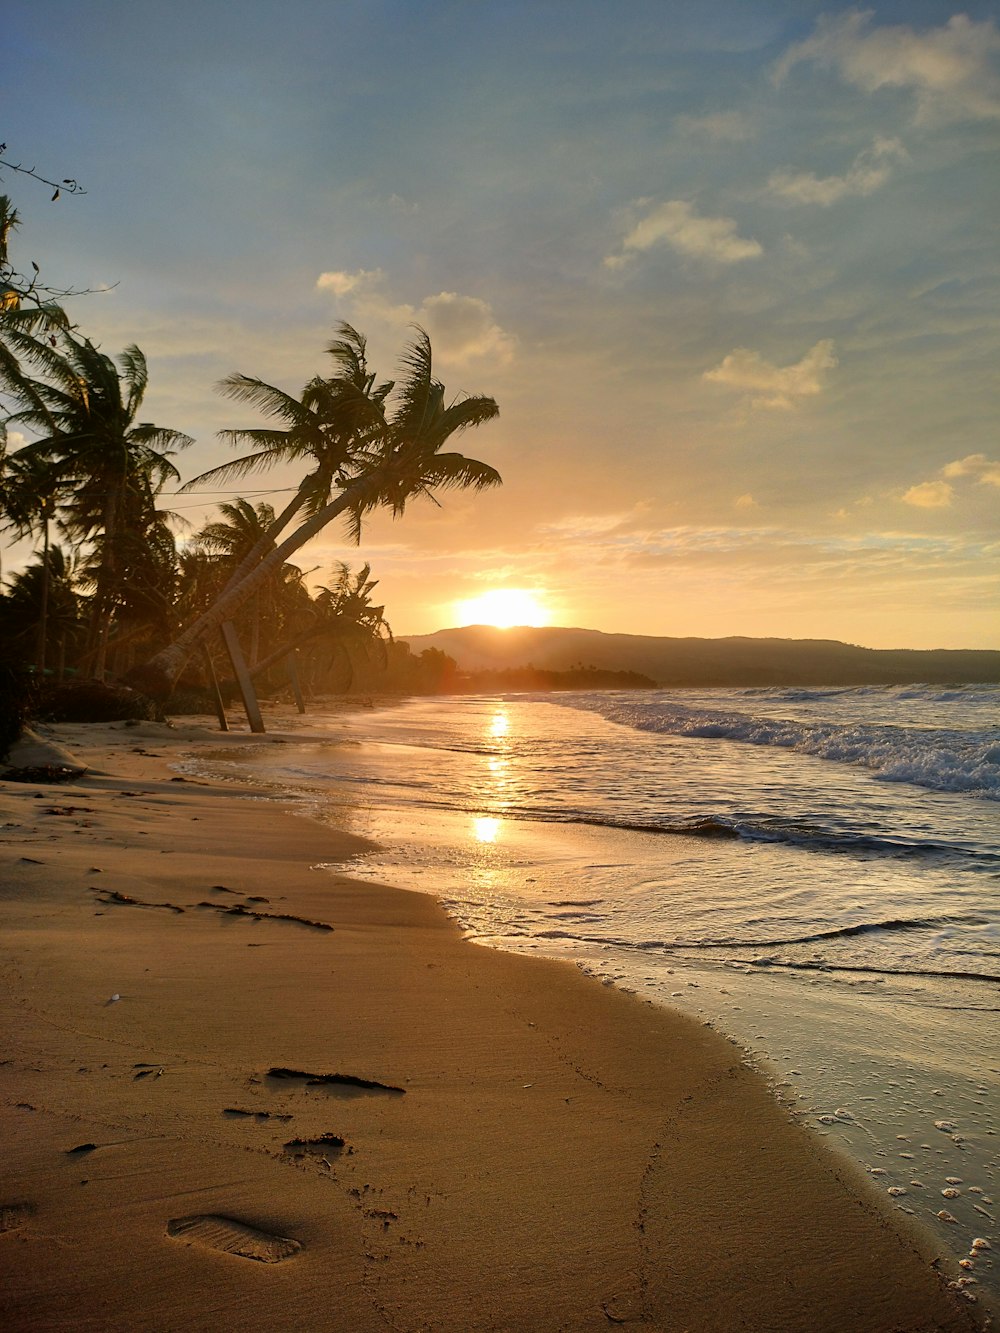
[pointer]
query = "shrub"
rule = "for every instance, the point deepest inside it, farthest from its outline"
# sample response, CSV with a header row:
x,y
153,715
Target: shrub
x,y
93,701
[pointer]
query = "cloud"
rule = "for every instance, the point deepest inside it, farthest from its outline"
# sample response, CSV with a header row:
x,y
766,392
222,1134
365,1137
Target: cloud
x,y
719,126
869,170
745,502
677,225
16,439
344,284
930,495
462,328
948,69
587,527
940,494
985,470
774,386
465,327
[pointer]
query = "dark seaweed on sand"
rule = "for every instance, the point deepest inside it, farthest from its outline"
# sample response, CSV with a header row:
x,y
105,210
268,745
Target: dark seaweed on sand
x,y
342,1080
239,910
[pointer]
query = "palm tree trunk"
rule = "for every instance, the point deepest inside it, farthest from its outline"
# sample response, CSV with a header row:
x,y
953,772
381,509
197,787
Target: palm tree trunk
x,y
105,580
43,616
158,674
264,543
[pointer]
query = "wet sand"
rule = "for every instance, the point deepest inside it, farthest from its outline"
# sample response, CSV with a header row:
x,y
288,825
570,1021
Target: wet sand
x,y
236,1091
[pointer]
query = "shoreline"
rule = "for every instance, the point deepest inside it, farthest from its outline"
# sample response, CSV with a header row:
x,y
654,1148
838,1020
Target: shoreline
x,y
544,1152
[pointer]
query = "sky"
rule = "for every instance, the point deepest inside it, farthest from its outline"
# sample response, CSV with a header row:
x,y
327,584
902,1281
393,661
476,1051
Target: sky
x,y
729,268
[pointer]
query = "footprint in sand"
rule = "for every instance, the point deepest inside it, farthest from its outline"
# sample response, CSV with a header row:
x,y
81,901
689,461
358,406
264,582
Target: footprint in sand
x,y
321,1145
232,1237
13,1216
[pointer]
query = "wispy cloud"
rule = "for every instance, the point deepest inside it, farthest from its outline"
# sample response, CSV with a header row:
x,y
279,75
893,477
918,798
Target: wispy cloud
x,y
951,70
869,170
718,126
463,329
768,385
677,225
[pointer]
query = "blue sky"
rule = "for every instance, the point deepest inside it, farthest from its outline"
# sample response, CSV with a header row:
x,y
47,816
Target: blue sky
x,y
730,270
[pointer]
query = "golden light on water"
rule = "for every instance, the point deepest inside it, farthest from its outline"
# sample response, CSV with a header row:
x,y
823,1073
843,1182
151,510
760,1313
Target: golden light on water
x,y
503,608
486,829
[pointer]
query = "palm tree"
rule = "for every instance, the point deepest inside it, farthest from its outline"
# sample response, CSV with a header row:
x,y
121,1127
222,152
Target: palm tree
x,y
328,427
84,410
29,494
242,528
45,591
24,306
10,296
402,460
342,616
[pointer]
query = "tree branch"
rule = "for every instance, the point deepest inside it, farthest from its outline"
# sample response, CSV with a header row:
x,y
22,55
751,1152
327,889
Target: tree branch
x,y
69,186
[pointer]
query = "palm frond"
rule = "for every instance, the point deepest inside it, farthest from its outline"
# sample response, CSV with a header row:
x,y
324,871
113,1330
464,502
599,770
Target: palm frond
x,y
234,470
448,471
266,398
136,375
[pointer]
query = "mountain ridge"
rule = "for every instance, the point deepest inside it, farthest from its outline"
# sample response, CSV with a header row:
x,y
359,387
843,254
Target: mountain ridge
x,y
693,662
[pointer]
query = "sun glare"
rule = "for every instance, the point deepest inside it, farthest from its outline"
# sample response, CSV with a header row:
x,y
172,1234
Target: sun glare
x,y
504,608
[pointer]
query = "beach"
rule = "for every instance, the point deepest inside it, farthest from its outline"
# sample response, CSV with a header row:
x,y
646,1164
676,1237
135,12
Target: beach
x,y
240,1090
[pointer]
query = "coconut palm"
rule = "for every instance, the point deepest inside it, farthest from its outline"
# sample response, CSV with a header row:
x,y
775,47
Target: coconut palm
x,y
24,306
29,494
241,528
10,295
44,591
402,460
342,618
328,427
83,411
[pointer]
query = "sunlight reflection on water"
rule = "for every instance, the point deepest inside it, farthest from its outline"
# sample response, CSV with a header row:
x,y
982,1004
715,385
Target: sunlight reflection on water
x,y
486,828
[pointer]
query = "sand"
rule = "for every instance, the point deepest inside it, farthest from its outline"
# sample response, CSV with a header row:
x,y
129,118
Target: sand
x,y
506,1144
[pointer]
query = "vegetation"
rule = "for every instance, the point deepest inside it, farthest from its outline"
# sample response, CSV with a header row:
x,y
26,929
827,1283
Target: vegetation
x,y
112,594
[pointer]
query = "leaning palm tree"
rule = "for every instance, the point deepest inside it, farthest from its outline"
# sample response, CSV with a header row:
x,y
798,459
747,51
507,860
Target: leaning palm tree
x,y
327,427
83,411
401,460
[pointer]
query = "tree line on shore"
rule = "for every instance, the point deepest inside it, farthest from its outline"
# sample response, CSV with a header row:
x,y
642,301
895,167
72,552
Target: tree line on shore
x,y
112,593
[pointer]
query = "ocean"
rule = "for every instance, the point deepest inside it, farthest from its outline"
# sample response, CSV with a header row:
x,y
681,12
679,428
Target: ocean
x,y
812,872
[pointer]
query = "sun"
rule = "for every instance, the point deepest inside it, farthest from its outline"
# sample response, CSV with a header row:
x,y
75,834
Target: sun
x,y
504,608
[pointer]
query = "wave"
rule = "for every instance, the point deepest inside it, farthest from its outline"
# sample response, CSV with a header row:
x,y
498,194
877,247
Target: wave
x,y
953,692
847,932
937,758
939,974
762,829
737,946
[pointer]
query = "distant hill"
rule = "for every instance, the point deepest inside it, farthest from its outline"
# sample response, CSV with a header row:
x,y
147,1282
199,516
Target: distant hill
x,y
706,662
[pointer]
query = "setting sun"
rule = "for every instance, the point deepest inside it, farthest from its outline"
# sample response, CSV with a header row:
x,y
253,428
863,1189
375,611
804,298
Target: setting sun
x,y
504,608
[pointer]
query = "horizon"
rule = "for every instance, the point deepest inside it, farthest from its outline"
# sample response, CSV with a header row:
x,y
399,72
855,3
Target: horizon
x,y
708,638
728,272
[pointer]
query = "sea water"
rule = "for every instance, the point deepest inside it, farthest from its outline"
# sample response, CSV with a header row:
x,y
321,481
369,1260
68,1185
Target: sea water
x,y
814,873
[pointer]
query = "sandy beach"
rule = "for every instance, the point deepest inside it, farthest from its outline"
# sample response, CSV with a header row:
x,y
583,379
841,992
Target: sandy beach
x,y
237,1091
